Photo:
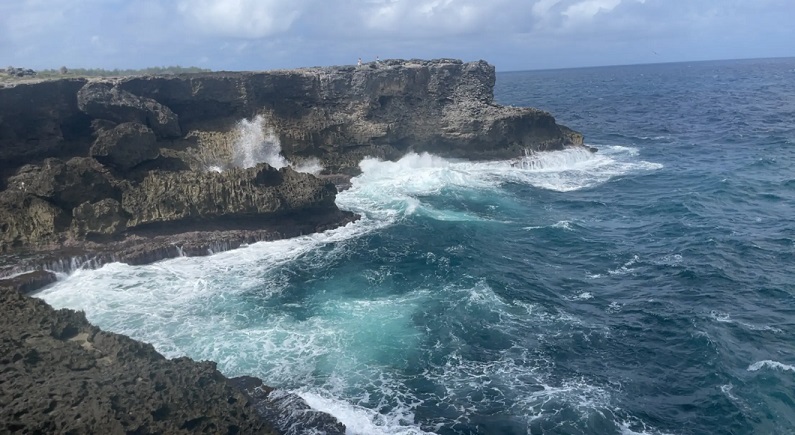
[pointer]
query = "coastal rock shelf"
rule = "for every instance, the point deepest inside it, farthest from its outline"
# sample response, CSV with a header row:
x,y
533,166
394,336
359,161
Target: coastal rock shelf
x,y
60,374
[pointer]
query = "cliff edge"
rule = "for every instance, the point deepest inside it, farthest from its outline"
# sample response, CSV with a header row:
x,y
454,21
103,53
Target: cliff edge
x,y
87,163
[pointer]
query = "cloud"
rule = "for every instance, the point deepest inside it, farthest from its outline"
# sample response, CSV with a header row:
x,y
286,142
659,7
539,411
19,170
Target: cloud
x,y
286,33
241,18
586,10
423,17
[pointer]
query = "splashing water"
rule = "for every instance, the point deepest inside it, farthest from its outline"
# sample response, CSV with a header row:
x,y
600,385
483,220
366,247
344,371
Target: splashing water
x,y
256,143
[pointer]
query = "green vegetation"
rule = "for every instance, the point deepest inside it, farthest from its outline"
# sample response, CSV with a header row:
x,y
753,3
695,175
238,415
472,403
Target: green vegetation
x,y
99,72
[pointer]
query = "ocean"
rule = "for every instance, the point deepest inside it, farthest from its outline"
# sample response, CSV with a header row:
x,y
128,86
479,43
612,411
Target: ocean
x,y
648,288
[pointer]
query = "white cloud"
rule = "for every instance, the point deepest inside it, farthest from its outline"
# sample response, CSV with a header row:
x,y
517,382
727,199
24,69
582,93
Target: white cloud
x,y
241,18
429,17
585,10
285,33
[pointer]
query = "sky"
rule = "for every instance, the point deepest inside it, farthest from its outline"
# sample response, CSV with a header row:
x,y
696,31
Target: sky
x,y
271,34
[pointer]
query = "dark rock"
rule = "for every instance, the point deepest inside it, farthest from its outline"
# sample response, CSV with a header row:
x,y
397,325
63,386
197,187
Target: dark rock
x,y
290,413
60,374
66,184
27,282
104,101
39,120
125,146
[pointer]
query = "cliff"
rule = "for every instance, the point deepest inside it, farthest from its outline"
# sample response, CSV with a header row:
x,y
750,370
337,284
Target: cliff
x,y
336,114
107,160
145,168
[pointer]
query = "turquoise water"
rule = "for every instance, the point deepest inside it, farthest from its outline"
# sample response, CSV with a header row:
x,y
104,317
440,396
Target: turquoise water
x,y
647,288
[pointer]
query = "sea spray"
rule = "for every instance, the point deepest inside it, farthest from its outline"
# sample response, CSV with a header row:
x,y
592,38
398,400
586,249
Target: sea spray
x,y
256,142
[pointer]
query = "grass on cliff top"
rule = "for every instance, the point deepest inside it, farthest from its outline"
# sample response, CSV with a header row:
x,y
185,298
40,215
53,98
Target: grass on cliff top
x,y
66,73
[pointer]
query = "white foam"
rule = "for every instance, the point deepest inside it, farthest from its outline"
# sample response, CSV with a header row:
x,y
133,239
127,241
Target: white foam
x,y
310,166
722,317
202,306
359,420
256,142
566,225
771,365
576,168
626,267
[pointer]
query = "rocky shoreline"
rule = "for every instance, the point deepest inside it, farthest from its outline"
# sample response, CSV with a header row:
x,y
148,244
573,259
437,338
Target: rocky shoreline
x,y
141,169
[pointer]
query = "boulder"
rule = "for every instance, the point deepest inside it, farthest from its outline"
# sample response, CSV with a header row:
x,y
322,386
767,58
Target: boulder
x,y
104,101
103,218
125,145
65,184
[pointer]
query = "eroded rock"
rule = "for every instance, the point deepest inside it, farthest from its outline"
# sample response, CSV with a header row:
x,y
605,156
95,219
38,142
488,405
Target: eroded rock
x,y
238,193
61,374
66,184
125,145
27,220
105,101
102,218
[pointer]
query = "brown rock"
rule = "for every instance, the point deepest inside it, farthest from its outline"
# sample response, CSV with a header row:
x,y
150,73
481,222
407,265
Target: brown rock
x,y
28,220
104,218
238,193
60,374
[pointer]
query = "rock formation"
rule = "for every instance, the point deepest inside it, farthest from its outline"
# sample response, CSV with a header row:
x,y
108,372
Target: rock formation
x,y
60,374
105,159
145,168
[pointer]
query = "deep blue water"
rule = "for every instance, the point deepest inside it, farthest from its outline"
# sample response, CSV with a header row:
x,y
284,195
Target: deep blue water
x,y
648,288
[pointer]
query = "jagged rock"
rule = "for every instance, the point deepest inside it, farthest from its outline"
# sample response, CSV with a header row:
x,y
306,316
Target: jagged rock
x,y
164,197
105,217
61,374
27,282
65,184
28,220
125,145
338,115
289,412
104,101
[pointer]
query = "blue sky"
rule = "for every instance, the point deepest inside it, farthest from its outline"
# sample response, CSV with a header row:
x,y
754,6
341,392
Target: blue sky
x,y
268,34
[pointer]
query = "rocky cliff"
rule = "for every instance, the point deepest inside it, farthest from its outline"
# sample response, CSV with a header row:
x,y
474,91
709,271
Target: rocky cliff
x,y
140,169
109,159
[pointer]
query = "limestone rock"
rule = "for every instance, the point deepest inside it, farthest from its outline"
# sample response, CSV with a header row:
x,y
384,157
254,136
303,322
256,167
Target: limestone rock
x,y
27,220
125,145
63,375
238,193
105,101
65,184
105,218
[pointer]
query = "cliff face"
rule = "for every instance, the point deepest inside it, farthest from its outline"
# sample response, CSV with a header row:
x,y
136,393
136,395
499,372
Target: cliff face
x,y
336,114
140,169
103,160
